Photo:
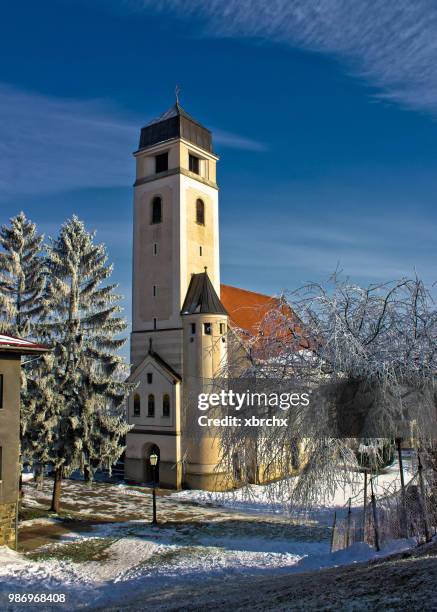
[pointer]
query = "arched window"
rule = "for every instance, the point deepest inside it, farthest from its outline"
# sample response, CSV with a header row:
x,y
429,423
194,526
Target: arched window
x,y
151,405
156,210
200,212
166,405
137,405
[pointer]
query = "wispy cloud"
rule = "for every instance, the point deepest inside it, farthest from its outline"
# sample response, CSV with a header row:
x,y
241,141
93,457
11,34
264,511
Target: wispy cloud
x,y
234,141
376,249
51,144
390,43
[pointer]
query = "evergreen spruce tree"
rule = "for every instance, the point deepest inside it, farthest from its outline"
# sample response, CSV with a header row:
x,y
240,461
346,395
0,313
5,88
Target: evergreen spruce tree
x,y
22,282
87,390
22,277
43,404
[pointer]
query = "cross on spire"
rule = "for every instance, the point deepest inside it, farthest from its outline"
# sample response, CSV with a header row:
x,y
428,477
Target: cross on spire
x,y
177,91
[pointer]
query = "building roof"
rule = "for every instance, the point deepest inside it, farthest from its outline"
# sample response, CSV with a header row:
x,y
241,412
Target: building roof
x,y
201,297
269,323
175,123
12,344
248,309
166,366
174,111
161,363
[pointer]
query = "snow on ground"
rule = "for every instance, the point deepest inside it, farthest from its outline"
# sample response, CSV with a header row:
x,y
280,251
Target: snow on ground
x,y
143,558
406,581
138,565
261,498
121,557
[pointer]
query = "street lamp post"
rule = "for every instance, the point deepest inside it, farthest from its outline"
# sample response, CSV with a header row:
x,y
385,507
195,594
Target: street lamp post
x,y
154,462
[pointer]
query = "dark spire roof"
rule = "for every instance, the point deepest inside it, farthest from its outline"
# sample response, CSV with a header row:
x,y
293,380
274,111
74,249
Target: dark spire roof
x,y
175,123
174,111
201,297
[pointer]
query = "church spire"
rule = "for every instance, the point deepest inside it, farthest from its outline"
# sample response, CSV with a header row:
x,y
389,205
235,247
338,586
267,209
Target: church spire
x,y
201,297
175,123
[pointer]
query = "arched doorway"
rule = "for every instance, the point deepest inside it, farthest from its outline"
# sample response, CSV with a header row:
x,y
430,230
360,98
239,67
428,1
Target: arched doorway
x,y
150,449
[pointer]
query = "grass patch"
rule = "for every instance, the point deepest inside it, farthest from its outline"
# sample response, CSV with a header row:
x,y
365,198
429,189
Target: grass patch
x,y
27,514
93,549
87,517
171,556
252,529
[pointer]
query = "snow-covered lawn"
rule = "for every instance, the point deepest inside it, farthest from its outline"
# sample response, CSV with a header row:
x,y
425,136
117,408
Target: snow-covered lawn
x,y
104,552
263,498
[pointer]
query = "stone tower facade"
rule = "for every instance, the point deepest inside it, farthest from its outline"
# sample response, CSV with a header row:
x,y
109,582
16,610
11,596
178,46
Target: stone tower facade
x,y
178,321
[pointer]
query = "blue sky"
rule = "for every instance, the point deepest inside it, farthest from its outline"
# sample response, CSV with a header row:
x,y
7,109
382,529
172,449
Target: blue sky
x,y
324,119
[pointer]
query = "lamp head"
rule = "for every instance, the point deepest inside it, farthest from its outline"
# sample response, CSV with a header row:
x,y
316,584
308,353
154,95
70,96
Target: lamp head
x,y
153,459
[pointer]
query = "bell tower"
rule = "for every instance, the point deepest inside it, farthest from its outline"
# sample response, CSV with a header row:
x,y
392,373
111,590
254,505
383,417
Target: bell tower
x,y
178,321
175,229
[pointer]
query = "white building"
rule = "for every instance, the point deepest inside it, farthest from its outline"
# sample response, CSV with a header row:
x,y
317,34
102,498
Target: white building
x,y
179,322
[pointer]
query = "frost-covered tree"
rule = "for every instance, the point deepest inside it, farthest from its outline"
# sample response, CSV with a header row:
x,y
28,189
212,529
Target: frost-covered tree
x,y
82,406
22,277
368,357
22,282
44,406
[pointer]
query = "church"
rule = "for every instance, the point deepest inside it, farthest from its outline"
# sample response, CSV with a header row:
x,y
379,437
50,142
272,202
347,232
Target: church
x,y
181,313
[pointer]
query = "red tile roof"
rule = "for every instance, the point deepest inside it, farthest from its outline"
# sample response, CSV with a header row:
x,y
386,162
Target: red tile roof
x,y
268,320
247,309
20,345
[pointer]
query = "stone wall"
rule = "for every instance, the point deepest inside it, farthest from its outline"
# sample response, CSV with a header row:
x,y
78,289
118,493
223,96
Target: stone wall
x,y
7,525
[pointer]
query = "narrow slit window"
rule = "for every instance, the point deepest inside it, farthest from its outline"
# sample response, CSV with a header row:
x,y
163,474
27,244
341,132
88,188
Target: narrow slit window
x,y
154,322
156,210
137,405
207,328
154,290
222,328
151,405
200,212
200,251
149,378
155,249
166,405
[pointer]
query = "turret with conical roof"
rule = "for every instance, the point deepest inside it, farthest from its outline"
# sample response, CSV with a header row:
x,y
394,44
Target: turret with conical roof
x,y
201,297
